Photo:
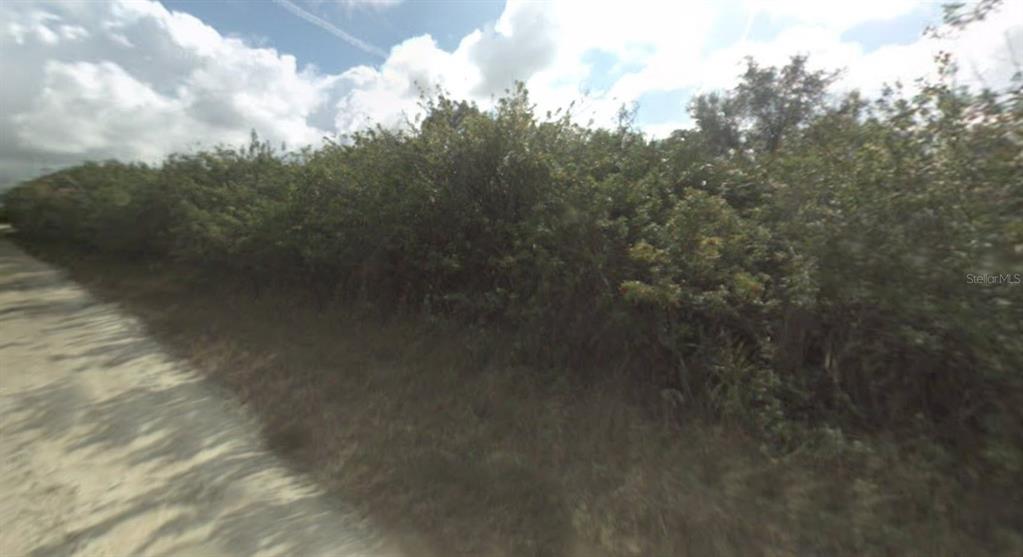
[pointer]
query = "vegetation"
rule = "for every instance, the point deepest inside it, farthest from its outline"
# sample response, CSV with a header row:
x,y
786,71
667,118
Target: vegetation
x,y
797,265
450,448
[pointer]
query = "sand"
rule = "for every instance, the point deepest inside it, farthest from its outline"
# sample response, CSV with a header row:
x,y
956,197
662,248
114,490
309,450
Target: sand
x,y
110,446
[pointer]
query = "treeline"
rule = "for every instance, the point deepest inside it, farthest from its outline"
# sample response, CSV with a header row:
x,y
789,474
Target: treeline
x,y
797,262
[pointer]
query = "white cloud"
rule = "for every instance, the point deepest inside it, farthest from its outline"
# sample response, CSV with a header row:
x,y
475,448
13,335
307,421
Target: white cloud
x,y
523,42
664,130
369,4
119,106
832,14
134,80
984,51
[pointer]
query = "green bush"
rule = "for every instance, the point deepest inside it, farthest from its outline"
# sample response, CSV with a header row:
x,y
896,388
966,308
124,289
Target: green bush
x,y
797,262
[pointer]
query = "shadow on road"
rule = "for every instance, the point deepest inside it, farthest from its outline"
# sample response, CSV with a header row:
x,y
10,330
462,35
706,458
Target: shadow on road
x,y
113,448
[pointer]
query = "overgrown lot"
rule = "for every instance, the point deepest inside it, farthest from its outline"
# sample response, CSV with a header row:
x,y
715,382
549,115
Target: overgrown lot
x,y
829,279
432,431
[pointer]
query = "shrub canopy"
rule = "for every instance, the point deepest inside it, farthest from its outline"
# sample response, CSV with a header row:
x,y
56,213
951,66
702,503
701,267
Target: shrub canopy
x,y
796,260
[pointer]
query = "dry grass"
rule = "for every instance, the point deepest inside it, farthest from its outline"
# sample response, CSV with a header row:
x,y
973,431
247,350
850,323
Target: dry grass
x,y
429,430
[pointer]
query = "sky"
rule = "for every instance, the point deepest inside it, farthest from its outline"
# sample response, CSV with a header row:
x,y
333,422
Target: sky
x,y
139,79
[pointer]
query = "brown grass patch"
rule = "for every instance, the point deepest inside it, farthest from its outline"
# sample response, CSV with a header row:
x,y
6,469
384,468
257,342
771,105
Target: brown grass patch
x,y
430,430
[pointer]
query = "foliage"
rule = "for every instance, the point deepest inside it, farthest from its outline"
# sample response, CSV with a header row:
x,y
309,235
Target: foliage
x,y
798,262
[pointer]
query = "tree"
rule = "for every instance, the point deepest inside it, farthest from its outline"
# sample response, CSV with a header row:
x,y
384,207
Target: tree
x,y
767,106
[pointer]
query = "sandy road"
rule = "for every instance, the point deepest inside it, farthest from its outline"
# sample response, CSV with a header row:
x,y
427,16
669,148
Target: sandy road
x,y
108,446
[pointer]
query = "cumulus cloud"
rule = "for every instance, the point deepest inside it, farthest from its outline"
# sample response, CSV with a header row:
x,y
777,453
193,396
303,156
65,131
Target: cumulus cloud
x,y
989,52
486,63
133,80
389,94
88,80
523,42
119,106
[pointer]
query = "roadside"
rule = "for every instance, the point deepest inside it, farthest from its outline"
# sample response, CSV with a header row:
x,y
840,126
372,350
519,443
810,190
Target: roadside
x,y
430,431
113,447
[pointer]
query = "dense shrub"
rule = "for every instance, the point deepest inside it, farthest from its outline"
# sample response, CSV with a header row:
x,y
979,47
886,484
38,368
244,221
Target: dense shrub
x,y
796,261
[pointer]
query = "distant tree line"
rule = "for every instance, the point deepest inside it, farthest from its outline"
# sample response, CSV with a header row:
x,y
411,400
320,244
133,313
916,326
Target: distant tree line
x,y
796,262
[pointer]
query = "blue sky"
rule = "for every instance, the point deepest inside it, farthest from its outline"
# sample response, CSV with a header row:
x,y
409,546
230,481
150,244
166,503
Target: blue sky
x,y
270,24
267,23
138,79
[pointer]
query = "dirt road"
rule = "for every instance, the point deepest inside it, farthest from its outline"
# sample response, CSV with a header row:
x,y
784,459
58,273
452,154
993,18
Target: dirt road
x,y
110,447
